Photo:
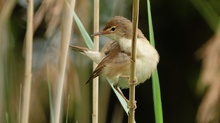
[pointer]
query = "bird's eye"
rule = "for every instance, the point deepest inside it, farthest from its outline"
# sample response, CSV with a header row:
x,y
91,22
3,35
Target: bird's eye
x,y
113,29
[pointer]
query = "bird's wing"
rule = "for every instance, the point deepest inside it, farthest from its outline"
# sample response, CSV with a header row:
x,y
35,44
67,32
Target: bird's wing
x,y
114,57
108,50
108,46
98,71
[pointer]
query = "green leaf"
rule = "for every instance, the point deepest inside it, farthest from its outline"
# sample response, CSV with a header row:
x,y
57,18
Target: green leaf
x,y
85,35
155,78
50,100
121,99
83,31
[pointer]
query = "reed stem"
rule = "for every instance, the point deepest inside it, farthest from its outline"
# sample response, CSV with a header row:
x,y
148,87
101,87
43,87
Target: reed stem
x,y
133,80
28,63
95,101
66,35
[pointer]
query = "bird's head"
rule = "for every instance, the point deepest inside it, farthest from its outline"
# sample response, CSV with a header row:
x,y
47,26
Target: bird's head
x,y
116,28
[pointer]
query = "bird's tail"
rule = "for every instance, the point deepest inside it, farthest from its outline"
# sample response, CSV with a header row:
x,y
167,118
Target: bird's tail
x,y
93,55
81,50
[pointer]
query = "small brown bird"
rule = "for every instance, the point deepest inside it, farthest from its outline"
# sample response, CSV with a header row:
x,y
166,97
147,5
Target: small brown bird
x,y
114,59
109,58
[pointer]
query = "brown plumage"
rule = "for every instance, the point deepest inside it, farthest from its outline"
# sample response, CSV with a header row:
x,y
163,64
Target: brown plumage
x,y
114,58
123,24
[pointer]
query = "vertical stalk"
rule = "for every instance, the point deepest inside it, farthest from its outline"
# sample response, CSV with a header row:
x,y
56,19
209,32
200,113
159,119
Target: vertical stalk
x,y
158,111
96,80
133,80
66,34
28,63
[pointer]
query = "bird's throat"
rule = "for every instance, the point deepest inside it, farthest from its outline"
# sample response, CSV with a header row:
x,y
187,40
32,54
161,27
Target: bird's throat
x,y
125,44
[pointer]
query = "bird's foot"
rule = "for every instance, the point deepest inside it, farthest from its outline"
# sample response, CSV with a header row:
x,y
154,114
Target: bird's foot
x,y
135,81
129,80
132,106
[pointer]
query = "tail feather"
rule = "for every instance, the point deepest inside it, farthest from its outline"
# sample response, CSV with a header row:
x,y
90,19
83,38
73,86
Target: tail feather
x,y
79,49
95,56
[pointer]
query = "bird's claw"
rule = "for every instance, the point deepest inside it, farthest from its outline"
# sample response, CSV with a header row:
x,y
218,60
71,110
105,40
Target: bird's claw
x,y
132,106
133,81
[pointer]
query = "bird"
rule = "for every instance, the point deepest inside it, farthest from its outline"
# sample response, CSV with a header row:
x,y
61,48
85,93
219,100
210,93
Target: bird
x,y
110,55
115,57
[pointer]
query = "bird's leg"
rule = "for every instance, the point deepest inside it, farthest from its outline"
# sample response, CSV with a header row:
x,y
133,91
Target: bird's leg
x,y
125,76
127,101
134,105
128,77
116,88
135,82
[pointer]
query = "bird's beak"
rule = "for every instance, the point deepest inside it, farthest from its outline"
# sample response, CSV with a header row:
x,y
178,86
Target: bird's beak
x,y
97,33
100,33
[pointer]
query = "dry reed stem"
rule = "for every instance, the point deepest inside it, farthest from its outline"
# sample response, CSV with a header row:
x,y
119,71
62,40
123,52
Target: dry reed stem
x,y
95,115
66,34
135,13
209,109
28,63
50,10
40,14
54,21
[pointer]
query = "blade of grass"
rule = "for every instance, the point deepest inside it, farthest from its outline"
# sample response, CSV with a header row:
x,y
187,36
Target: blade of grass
x,y
19,105
121,100
150,23
86,36
67,110
51,103
155,78
50,97
82,30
